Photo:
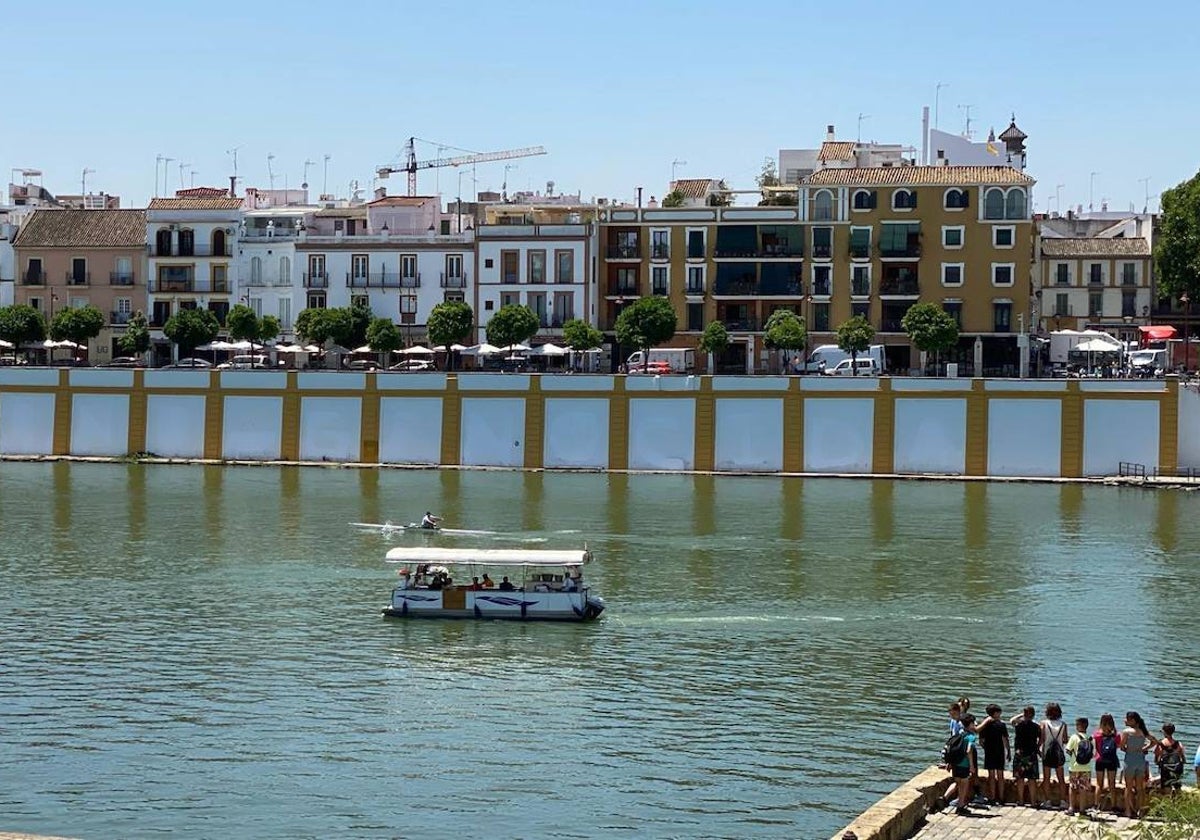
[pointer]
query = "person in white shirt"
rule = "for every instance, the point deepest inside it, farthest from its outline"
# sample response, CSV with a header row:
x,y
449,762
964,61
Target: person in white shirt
x,y
429,521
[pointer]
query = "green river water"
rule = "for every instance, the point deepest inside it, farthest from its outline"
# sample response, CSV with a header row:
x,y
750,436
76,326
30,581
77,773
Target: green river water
x,y
198,651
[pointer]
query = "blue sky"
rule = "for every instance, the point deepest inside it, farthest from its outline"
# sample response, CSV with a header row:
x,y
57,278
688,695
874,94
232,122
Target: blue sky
x,y
614,90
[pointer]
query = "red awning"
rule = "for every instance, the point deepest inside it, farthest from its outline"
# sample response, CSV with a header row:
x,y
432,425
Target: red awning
x,y
1157,333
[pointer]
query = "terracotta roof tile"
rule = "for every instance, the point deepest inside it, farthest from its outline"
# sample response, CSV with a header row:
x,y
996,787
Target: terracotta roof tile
x,y
919,176
693,187
836,150
401,201
1112,247
83,229
195,203
202,192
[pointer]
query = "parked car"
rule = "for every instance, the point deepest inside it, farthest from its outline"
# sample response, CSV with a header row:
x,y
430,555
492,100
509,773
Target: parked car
x,y
190,363
412,365
863,366
653,369
124,362
255,362
363,364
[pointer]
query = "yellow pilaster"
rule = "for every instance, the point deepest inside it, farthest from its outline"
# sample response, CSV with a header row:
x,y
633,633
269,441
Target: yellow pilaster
x,y
535,424
214,418
62,413
706,422
369,450
977,429
883,450
1168,427
1071,456
451,422
618,426
793,427
137,414
289,433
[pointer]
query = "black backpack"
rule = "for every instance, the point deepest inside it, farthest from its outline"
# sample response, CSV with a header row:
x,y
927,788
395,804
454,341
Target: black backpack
x,y
955,750
1085,750
1172,761
1055,756
1108,749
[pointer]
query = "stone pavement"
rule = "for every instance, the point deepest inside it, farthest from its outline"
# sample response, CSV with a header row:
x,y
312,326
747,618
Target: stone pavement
x,y
1008,822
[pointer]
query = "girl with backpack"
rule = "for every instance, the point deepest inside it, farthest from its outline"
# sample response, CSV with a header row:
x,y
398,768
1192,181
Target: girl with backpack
x,y
1135,743
1170,758
1108,762
1054,754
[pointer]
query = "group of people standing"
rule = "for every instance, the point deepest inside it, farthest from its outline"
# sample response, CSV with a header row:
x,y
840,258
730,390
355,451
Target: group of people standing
x,y
1067,757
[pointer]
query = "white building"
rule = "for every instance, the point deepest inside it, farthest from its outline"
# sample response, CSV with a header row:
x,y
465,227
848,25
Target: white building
x,y
546,267
268,277
8,262
192,239
795,165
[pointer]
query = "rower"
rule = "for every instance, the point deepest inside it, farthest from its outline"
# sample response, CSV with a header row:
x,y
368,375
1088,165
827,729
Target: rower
x,y
429,521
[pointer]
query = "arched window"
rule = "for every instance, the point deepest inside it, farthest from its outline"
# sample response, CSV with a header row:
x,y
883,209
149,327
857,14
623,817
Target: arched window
x,y
162,242
864,200
956,199
256,270
285,271
1014,205
823,206
187,242
904,200
993,204
218,243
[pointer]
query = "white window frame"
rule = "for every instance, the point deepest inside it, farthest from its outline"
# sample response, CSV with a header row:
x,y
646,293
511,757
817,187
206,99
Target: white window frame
x,y
687,238
946,196
124,306
1012,274
962,237
653,231
870,229
853,195
1054,266
1025,193
833,205
828,266
666,271
1012,230
962,271
897,192
700,269
860,267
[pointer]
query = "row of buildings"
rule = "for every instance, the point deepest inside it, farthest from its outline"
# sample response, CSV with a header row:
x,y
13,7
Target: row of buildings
x,y
853,229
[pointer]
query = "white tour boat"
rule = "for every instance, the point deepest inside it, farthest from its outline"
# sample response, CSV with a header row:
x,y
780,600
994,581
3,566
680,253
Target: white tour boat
x,y
527,585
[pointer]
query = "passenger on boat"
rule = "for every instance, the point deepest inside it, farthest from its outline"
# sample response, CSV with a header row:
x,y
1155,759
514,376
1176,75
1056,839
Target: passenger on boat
x,y
488,583
506,585
569,583
475,585
405,580
437,582
430,522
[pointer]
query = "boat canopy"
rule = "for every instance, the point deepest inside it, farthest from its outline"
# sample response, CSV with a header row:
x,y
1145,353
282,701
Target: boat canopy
x,y
488,556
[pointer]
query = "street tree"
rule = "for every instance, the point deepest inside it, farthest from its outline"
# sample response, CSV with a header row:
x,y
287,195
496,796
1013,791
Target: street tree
x,y
21,324
646,323
78,324
268,328
1177,242
189,328
930,329
313,326
513,324
360,318
242,323
854,336
713,341
580,335
136,339
448,324
785,330
384,337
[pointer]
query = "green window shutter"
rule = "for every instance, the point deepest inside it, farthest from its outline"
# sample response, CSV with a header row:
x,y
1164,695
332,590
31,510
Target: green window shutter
x,y
874,199
912,199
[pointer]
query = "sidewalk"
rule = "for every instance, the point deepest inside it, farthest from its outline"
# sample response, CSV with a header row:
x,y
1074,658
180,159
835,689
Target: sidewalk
x,y
1008,822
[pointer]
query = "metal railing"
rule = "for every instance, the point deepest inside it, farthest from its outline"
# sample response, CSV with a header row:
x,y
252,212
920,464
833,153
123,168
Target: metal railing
x,y
911,251
120,318
860,288
317,280
454,281
198,250
1128,469
190,286
624,252
121,278
660,252
694,288
906,288
382,280
739,324
78,278
623,288
33,278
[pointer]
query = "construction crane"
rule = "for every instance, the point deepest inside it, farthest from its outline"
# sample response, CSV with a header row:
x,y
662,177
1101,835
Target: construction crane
x,y
411,164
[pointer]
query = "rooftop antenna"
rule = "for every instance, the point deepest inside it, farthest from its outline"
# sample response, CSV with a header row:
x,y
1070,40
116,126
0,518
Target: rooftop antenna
x,y
167,161
182,167
83,184
937,95
307,163
504,186
675,164
158,159
1091,189
325,176
966,109
271,169
861,117
233,153
193,174
1145,182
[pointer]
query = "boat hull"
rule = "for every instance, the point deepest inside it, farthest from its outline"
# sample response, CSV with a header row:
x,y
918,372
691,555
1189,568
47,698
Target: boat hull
x,y
494,605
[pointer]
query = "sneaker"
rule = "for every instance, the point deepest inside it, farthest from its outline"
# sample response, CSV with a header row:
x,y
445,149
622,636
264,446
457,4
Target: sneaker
x,y
962,810
1071,812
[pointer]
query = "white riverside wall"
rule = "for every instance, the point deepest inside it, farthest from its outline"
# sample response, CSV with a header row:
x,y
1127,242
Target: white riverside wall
x,y
1034,428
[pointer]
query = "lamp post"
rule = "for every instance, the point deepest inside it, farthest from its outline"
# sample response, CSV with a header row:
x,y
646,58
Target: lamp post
x,y
807,325
1187,313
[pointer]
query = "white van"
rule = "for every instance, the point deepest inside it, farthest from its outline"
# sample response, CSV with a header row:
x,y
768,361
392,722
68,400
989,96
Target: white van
x,y
862,366
832,356
677,359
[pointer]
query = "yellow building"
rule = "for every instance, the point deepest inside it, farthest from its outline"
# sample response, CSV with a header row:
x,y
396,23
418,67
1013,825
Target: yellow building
x,y
867,241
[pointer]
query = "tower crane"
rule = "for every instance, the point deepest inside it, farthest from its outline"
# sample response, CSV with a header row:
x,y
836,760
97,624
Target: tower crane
x,y
411,164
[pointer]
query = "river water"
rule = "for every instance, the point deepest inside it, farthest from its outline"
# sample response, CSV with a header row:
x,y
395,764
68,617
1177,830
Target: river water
x,y
198,651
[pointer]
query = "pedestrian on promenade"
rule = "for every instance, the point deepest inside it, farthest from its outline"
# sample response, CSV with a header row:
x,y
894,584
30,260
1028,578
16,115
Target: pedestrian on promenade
x,y
956,726
963,764
1135,742
993,734
1196,765
1082,750
1054,755
1169,755
1027,739
1108,762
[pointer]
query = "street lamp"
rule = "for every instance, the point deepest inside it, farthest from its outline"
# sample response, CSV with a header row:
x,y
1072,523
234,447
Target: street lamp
x,y
1187,313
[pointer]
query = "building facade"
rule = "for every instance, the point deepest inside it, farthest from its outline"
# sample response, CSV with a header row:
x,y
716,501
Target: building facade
x,y
268,277
76,258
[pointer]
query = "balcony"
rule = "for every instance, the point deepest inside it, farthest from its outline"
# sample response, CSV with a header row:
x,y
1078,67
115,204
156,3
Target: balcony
x,y
860,288
382,280
623,288
694,288
822,252
1063,310
660,252
1095,280
189,251
254,282
821,288
454,281
78,278
119,319
180,285
33,278
1128,279
739,324
316,280
661,290
859,252
121,278
557,320
763,252
1062,280
909,251
899,287
891,325
625,252
510,278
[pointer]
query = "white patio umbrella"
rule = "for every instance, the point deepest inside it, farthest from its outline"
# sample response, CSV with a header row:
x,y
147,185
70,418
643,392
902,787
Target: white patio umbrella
x,y
218,345
454,348
366,348
1096,345
243,345
311,348
550,349
484,349
6,345
517,348
290,348
51,344
417,350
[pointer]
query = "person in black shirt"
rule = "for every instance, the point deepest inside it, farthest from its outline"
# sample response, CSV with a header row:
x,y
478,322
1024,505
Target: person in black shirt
x,y
1027,746
993,734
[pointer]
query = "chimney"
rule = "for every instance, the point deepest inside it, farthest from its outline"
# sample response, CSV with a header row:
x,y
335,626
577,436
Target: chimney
x,y
829,133
233,186
653,202
380,192
941,157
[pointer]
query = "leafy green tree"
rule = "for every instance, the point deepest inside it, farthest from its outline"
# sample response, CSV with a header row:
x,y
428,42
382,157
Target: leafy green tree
x,y
78,324
930,329
360,319
189,328
268,328
344,325
673,199
136,338
713,341
646,323
785,330
721,196
450,323
769,177
580,335
313,326
854,337
1177,241
383,336
21,324
242,323
512,325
